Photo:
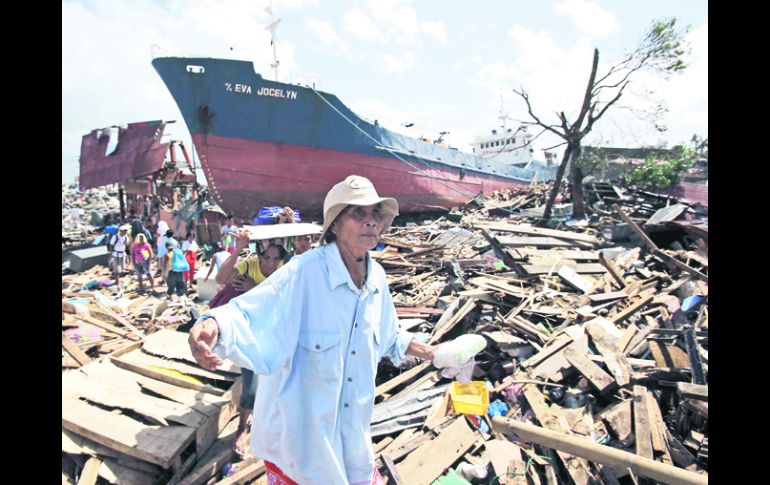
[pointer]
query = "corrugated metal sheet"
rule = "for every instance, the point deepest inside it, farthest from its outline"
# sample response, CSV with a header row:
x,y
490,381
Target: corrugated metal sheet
x,y
138,153
667,214
689,192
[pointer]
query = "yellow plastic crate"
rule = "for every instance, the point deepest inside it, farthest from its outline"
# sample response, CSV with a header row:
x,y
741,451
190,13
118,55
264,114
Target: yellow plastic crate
x,y
470,398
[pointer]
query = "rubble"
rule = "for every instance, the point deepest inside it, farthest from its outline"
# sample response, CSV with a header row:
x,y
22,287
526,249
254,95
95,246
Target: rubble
x,y
597,345
85,213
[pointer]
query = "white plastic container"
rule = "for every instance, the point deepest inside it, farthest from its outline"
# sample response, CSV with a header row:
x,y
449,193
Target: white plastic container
x,y
206,289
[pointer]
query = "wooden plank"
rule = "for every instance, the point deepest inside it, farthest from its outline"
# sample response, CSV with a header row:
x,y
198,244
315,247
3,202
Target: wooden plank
x,y
669,355
578,468
634,227
694,391
161,376
642,423
107,326
631,309
77,354
595,375
585,268
618,418
120,319
574,279
628,334
605,297
120,395
107,371
606,344
657,429
400,379
538,242
139,357
506,458
156,444
611,269
248,472
114,471
212,461
392,471
90,471
558,343
519,229
425,464
456,318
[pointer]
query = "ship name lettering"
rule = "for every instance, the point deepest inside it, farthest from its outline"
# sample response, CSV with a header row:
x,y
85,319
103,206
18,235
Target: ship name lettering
x,y
277,93
243,88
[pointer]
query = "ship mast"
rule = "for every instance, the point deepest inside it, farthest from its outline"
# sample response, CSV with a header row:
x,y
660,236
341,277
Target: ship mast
x,y
272,28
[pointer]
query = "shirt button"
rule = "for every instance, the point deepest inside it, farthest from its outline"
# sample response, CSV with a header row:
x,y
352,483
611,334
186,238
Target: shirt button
x,y
353,352
317,346
350,379
346,404
355,325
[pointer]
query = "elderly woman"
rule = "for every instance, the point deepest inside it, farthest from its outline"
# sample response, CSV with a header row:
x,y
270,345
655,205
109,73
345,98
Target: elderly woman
x,y
314,332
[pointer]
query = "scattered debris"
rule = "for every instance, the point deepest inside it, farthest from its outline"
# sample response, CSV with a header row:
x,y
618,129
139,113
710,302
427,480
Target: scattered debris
x,y
597,351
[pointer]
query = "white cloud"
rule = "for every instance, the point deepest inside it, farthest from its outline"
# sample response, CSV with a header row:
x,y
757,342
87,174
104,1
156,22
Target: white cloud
x,y
435,29
397,64
327,34
357,22
279,4
589,17
107,75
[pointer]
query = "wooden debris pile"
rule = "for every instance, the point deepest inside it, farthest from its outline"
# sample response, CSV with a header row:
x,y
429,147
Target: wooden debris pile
x,y
97,320
596,363
587,340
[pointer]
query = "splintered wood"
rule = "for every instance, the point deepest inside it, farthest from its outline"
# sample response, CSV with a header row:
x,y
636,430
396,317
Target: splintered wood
x,y
599,345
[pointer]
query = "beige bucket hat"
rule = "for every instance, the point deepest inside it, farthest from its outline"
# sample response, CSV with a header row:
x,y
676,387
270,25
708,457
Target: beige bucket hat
x,y
356,190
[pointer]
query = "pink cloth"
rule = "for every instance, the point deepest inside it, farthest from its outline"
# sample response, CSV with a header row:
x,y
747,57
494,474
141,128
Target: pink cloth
x,y
137,251
276,477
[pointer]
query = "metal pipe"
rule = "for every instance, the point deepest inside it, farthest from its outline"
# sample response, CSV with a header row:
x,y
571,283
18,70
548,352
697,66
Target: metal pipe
x,y
601,454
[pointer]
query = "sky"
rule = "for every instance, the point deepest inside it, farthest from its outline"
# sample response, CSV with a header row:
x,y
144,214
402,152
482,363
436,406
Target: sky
x,y
446,65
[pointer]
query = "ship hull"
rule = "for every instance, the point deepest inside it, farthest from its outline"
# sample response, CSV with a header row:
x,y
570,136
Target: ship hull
x,y
245,175
265,143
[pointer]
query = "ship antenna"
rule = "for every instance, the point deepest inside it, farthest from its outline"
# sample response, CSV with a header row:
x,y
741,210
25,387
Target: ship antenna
x,y
272,28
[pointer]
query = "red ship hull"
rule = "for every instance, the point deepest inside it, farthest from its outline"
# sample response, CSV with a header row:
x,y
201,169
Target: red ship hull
x,y
245,175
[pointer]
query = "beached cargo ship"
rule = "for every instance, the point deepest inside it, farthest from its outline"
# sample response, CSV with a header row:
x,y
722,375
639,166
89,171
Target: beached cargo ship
x,y
266,143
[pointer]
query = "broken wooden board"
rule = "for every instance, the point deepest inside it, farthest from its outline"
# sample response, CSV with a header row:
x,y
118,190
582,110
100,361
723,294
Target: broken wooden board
x,y
578,468
439,332
174,345
585,268
537,242
606,343
574,279
642,423
506,458
400,379
537,231
669,355
617,417
694,391
71,348
657,429
571,254
161,445
425,464
595,375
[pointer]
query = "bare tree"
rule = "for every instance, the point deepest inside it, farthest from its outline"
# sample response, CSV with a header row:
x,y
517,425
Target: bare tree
x,y
662,51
